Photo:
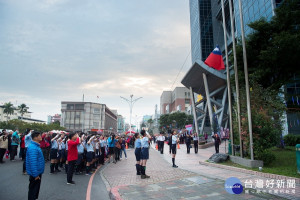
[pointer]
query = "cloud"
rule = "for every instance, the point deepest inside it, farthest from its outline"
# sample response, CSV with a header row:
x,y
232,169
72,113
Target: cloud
x,y
55,50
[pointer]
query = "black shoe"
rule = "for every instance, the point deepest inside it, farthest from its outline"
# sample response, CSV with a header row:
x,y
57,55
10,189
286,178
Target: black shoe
x,y
57,170
71,183
175,166
138,173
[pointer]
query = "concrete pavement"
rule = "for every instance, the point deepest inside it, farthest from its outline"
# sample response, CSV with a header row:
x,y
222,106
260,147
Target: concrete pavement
x,y
189,181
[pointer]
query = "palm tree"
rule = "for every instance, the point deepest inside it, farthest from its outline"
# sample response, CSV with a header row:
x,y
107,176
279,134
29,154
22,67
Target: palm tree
x,y
22,109
8,109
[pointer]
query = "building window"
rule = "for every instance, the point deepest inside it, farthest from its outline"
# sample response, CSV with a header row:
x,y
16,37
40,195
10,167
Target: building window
x,y
70,106
96,110
77,116
79,106
96,124
187,101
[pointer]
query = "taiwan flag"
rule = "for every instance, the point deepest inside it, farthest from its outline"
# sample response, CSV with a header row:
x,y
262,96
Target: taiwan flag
x,y
215,59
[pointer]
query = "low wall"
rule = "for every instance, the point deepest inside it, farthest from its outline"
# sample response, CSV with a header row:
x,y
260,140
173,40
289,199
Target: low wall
x,y
247,162
204,146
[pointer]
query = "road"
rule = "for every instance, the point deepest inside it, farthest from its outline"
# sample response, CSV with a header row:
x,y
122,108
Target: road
x,y
14,185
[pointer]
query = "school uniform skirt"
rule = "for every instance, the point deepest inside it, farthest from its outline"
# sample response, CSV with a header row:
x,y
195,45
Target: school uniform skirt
x,y
145,154
137,153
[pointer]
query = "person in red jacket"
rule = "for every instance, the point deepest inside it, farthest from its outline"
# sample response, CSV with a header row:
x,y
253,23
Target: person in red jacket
x,y
72,157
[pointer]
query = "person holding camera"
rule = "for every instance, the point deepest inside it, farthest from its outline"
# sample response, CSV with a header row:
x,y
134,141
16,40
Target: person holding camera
x,y
3,145
35,165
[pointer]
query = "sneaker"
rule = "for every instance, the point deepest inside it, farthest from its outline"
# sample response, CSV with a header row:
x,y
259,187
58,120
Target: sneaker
x,y
71,183
24,173
77,173
175,166
51,172
146,176
88,174
143,176
57,170
126,158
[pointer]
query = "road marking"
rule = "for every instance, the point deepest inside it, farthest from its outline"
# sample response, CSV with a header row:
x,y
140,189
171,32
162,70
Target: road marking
x,y
89,188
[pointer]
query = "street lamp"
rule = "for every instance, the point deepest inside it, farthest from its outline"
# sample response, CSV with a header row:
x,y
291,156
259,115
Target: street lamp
x,y
130,103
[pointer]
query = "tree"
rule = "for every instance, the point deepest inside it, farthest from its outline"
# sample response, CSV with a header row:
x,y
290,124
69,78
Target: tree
x,y
22,109
176,120
8,109
273,47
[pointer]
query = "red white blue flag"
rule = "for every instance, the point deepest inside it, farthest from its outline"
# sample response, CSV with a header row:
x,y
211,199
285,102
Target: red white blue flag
x,y
215,59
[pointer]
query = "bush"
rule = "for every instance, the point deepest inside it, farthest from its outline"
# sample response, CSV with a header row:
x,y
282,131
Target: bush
x,y
291,140
267,156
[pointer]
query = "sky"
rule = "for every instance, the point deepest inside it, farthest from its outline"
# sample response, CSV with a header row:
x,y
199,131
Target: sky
x,y
58,50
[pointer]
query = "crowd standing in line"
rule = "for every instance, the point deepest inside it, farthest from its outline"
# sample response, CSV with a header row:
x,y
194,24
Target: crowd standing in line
x,y
79,152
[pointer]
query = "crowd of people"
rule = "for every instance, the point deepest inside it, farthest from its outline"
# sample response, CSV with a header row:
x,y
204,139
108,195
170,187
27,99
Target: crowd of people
x,y
77,153
82,153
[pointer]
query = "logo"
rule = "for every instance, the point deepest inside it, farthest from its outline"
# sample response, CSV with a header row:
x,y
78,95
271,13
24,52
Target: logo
x,y
233,186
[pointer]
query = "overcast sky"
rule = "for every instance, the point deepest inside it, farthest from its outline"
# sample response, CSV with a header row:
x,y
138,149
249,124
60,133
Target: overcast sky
x,y
56,50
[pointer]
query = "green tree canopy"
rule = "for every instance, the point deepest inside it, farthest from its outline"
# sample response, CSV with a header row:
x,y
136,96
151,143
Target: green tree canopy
x,y
22,109
8,109
178,119
273,48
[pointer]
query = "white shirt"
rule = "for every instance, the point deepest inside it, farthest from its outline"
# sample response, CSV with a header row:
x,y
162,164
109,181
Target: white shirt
x,y
161,138
174,139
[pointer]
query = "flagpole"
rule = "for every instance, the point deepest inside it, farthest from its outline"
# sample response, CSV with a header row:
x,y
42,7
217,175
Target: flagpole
x,y
227,71
236,81
246,80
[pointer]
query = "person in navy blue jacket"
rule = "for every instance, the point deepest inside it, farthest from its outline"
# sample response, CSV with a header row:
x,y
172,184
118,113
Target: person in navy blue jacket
x,y
35,165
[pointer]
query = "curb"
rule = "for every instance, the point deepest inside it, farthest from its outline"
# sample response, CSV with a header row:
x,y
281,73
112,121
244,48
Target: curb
x,y
262,174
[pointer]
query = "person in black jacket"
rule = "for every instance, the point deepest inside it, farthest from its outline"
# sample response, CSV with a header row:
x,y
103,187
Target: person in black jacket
x,y
188,141
217,141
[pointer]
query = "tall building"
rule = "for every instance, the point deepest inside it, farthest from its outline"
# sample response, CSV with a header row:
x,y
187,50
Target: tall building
x,y
121,124
87,116
207,32
206,22
176,100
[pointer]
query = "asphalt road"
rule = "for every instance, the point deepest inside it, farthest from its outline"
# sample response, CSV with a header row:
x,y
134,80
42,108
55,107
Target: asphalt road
x,y
14,185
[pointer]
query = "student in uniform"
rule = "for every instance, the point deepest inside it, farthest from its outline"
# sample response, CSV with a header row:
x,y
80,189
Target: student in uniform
x,y
195,139
161,139
80,149
53,153
137,152
89,153
102,148
174,140
144,153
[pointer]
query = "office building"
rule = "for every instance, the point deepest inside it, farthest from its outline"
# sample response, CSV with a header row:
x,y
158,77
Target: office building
x,y
87,116
176,100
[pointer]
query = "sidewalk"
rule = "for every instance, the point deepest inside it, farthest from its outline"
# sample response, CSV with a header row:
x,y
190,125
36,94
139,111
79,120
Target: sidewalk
x,y
189,181
190,162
